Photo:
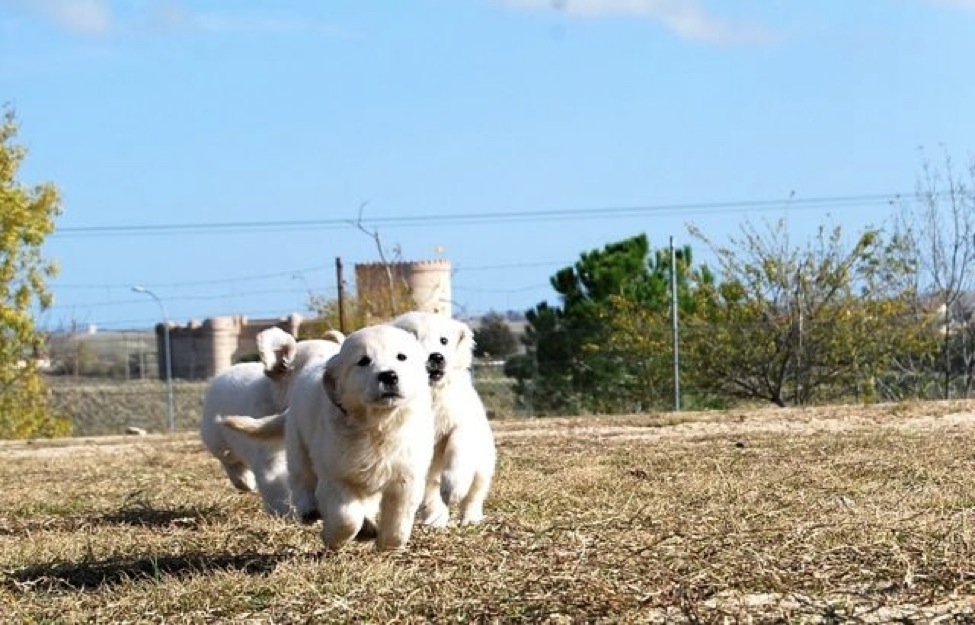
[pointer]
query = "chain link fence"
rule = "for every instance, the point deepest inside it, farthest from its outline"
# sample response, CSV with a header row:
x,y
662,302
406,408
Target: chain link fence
x,y
103,406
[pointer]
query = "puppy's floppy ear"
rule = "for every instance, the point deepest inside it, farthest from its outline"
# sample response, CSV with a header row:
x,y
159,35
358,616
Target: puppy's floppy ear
x,y
403,322
277,351
465,345
331,382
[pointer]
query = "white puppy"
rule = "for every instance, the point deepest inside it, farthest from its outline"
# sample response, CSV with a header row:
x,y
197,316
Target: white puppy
x,y
359,437
464,455
259,389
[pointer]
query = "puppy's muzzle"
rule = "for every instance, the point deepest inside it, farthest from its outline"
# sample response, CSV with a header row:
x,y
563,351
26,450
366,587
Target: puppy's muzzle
x,y
388,383
436,366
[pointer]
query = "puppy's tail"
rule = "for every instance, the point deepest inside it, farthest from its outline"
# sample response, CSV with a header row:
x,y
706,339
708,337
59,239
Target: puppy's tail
x,y
333,335
266,427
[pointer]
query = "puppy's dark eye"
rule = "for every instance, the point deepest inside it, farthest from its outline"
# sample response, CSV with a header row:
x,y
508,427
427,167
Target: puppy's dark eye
x,y
443,340
365,361
400,356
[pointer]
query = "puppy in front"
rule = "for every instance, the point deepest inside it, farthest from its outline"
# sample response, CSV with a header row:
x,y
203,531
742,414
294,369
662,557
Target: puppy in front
x,y
259,389
359,437
464,455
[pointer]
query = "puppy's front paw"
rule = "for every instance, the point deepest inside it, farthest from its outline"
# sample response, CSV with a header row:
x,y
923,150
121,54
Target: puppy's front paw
x,y
435,515
391,543
310,516
471,517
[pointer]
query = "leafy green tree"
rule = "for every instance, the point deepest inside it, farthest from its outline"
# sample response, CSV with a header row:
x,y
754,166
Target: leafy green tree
x,y
796,324
642,329
26,219
576,360
493,337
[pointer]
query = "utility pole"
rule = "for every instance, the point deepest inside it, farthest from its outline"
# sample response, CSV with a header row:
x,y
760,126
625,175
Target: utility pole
x,y
673,316
799,312
341,295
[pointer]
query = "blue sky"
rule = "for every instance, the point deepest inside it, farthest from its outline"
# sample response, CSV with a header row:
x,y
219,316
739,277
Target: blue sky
x,y
500,134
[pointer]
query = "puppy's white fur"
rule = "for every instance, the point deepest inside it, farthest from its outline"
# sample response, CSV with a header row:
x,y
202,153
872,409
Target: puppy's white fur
x,y
259,389
359,437
464,454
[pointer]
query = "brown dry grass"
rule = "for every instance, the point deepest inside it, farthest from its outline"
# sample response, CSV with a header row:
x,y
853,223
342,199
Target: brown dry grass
x,y
832,515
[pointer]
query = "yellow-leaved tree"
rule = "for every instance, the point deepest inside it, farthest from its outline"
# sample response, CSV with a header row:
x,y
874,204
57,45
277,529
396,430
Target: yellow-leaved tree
x,y
26,219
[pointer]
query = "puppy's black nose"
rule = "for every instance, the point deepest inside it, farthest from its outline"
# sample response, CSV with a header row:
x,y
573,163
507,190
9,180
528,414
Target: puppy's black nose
x,y
436,360
388,378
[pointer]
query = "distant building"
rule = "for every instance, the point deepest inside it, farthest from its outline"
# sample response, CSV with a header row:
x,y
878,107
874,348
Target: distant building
x,y
201,350
427,282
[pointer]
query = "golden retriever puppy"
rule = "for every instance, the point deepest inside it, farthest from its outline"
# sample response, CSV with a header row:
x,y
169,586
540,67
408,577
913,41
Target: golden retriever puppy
x,y
359,437
464,455
259,389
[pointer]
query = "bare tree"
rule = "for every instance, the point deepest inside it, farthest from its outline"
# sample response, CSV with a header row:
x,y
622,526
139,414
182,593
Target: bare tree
x,y
943,227
374,234
795,324
385,298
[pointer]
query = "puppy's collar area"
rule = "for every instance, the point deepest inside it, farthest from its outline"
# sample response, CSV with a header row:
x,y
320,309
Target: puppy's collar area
x,y
340,407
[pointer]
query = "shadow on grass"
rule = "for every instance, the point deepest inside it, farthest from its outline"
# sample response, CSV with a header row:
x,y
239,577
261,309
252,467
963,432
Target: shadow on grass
x,y
133,515
88,576
144,515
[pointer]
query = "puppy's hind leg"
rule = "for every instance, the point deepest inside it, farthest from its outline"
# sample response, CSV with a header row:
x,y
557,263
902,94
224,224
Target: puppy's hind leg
x,y
434,511
472,506
458,468
302,482
272,482
469,464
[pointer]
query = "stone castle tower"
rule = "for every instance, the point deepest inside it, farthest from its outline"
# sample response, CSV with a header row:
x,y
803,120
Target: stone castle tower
x,y
426,282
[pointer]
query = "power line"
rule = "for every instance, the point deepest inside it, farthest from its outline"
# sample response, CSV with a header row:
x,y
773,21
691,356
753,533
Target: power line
x,y
184,283
541,263
701,208
280,274
182,298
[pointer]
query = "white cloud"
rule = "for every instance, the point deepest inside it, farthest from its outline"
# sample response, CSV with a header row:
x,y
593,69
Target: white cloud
x,y
684,18
173,16
112,17
222,23
86,17
956,4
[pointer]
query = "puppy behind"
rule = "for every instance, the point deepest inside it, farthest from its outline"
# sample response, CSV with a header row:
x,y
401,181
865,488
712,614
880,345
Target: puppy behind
x,y
259,389
359,437
464,455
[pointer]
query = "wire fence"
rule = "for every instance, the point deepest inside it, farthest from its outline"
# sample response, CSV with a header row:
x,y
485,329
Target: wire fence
x,y
108,383
105,406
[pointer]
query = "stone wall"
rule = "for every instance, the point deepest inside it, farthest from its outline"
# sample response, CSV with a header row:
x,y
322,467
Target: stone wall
x,y
200,350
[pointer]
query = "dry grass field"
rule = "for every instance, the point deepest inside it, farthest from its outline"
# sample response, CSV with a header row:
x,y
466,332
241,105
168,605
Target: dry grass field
x,y
845,514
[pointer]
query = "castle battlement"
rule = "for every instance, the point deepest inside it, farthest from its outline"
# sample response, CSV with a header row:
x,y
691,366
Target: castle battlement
x,y
427,282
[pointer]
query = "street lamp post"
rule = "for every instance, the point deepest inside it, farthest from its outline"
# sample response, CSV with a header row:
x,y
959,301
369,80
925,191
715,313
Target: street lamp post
x,y
170,412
